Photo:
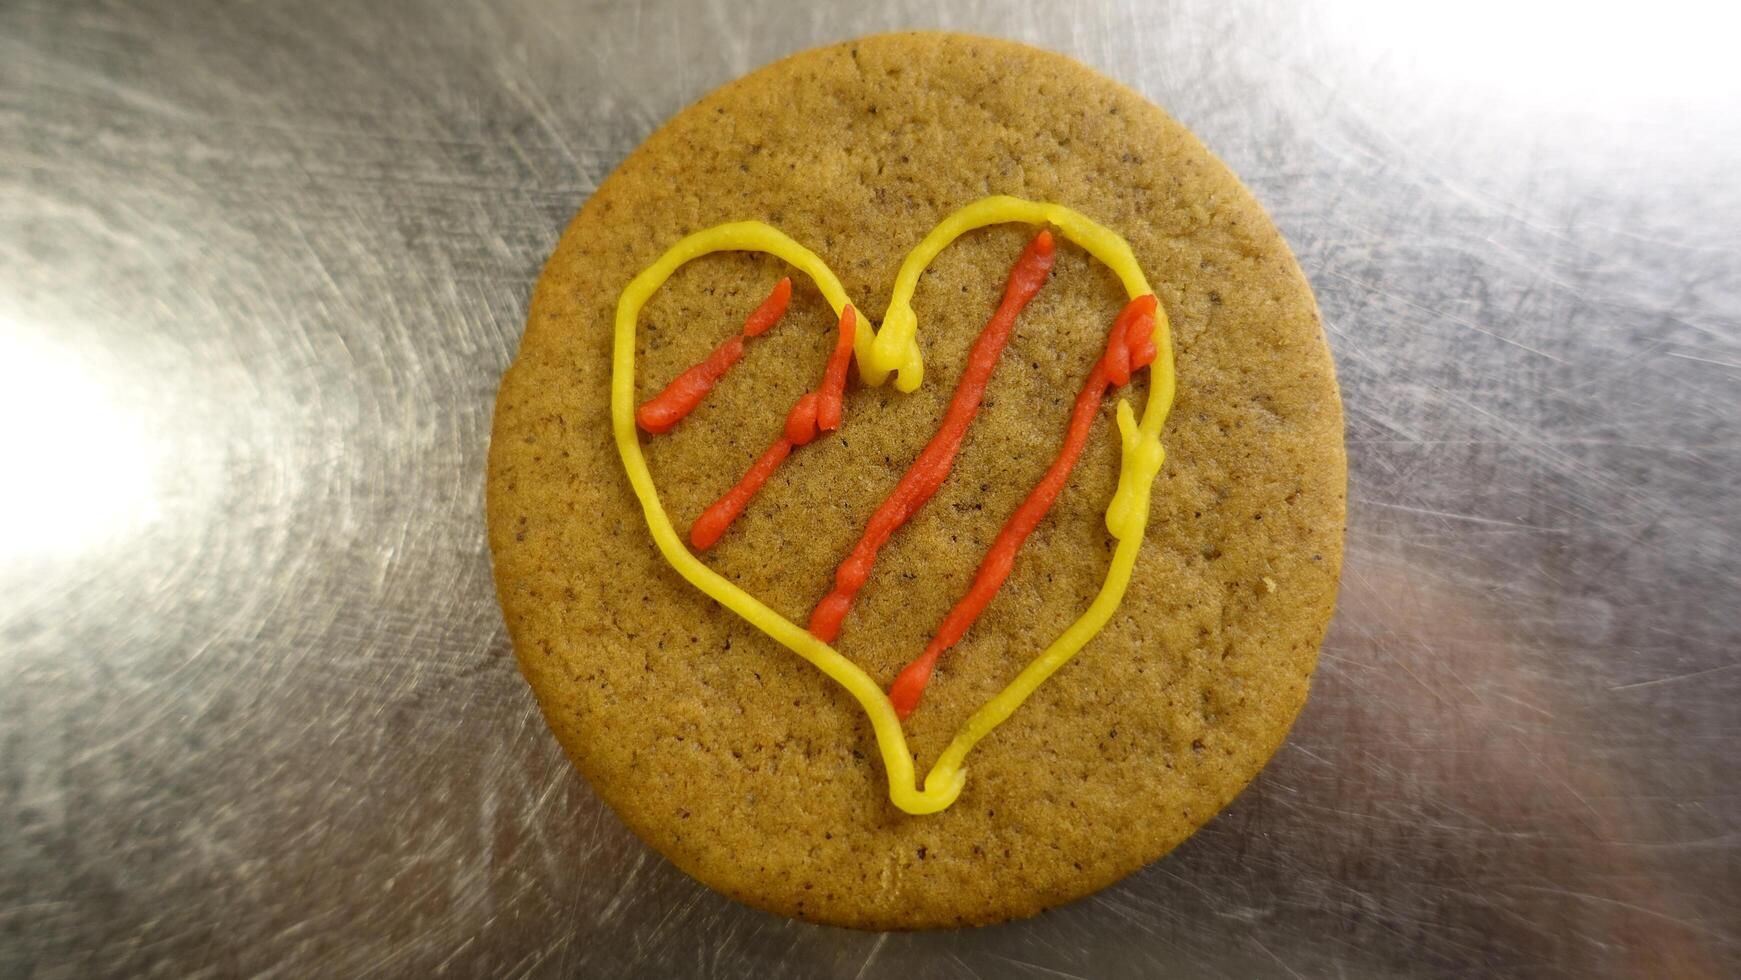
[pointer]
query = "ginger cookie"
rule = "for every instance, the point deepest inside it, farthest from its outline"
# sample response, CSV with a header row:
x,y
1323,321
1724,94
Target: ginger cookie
x,y
918,497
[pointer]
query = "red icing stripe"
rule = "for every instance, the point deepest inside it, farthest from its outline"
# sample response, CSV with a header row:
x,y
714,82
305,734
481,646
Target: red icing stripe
x,y
1130,344
771,310
803,423
719,515
801,420
686,391
833,391
932,467
664,410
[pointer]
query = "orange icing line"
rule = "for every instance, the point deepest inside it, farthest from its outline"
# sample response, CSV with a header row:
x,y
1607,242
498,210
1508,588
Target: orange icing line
x,y
932,467
771,310
1112,368
719,515
813,412
833,391
686,391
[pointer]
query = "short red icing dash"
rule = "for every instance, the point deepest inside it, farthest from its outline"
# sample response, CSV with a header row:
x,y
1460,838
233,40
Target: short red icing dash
x,y
719,515
1115,363
669,407
801,420
686,391
1140,330
1131,342
771,310
1000,559
932,467
833,391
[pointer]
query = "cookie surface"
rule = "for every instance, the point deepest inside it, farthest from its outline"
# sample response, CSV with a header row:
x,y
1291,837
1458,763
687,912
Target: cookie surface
x,y
740,762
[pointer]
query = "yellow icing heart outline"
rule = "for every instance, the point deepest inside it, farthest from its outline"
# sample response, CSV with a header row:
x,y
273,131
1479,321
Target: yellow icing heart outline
x,y
892,347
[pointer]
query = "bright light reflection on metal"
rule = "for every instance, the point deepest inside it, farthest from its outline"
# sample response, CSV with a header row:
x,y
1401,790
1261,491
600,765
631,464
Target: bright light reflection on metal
x,y
79,469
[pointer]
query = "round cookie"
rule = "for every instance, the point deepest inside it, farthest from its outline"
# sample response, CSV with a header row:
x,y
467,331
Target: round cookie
x,y
742,763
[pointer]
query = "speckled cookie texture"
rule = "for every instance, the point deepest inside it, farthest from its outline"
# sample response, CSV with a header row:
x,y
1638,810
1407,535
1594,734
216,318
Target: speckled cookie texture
x,y
740,762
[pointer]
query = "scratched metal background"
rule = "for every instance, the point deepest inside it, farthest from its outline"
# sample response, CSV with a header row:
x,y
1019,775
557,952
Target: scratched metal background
x,y
261,265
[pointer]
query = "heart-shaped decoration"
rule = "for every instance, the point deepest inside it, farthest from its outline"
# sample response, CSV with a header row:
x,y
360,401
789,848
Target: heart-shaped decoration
x,y
892,348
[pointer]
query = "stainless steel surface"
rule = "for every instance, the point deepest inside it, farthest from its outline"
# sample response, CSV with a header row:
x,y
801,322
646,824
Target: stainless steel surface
x,y
262,264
